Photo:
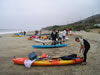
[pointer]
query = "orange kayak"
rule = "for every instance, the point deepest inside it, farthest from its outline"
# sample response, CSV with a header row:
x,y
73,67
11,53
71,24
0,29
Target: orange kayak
x,y
47,62
29,38
43,37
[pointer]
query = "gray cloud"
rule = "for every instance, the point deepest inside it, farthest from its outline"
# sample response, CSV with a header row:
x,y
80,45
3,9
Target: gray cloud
x,y
35,14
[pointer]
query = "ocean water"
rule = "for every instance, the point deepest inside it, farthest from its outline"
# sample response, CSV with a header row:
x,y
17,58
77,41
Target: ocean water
x,y
7,31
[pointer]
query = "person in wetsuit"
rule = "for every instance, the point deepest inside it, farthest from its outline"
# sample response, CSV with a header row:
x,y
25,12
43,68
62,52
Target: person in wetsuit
x,y
85,46
54,36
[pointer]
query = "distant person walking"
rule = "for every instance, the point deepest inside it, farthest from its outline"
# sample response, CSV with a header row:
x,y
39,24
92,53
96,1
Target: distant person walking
x,y
36,32
85,46
24,33
40,32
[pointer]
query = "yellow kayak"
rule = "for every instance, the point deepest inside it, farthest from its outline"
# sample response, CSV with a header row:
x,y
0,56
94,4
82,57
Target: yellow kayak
x,y
48,62
17,36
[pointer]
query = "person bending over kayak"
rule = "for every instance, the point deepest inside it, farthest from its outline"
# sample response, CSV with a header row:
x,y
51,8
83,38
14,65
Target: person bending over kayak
x,y
85,46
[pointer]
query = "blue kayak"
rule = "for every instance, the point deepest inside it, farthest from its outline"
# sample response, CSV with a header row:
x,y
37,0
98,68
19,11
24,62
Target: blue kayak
x,y
44,34
49,46
18,34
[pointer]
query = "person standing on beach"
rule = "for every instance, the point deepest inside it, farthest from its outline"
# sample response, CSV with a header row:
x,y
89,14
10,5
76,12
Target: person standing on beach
x,y
24,33
67,31
64,35
59,37
36,32
54,36
40,32
85,46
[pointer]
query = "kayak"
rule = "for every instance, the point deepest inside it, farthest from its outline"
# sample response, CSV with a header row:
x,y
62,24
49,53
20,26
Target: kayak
x,y
43,37
43,34
48,62
49,46
66,38
29,34
42,40
29,38
17,36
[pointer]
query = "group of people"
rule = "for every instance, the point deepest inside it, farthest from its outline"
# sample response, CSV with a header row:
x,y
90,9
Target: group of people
x,y
85,45
57,37
24,33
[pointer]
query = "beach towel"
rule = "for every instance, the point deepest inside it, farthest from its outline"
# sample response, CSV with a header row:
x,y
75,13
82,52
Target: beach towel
x,y
28,63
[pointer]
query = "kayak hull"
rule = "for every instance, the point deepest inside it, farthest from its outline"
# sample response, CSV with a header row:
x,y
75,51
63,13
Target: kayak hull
x,y
47,62
49,46
42,40
43,37
29,38
17,36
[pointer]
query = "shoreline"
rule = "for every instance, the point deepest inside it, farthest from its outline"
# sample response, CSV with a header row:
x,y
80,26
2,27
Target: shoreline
x,y
8,31
4,33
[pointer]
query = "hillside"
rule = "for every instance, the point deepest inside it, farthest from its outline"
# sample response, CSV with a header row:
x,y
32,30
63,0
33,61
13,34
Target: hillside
x,y
84,24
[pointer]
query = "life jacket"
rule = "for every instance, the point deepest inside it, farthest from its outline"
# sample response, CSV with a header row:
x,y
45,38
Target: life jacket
x,y
69,57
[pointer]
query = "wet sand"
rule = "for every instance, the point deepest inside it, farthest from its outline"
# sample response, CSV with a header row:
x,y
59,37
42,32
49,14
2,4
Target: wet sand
x,y
20,47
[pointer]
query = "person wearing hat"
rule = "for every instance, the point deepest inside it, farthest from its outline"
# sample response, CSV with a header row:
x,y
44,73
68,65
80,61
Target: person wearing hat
x,y
85,46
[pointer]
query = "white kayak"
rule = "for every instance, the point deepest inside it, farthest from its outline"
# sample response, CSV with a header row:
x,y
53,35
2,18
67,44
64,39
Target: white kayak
x,y
42,40
66,38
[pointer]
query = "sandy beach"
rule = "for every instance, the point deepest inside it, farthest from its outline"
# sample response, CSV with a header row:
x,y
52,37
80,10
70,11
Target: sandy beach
x,y
20,47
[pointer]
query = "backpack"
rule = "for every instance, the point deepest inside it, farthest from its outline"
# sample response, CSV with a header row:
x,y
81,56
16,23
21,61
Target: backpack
x,y
32,56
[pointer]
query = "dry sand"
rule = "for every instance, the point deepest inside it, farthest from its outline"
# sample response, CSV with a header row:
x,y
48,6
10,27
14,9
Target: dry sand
x,y
95,30
20,47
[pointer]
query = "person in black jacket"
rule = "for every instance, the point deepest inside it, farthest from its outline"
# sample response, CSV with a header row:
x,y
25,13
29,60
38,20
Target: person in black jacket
x,y
85,46
24,33
54,36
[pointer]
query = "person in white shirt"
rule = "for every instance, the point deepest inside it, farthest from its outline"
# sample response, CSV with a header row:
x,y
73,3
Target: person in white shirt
x,y
59,37
64,35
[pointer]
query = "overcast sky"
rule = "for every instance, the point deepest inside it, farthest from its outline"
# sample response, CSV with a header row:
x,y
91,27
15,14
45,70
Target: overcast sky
x,y
35,14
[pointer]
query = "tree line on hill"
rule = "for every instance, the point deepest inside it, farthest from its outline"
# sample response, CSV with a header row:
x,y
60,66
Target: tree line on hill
x,y
85,24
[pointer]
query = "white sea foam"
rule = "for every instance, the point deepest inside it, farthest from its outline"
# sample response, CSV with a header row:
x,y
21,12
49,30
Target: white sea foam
x,y
9,32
